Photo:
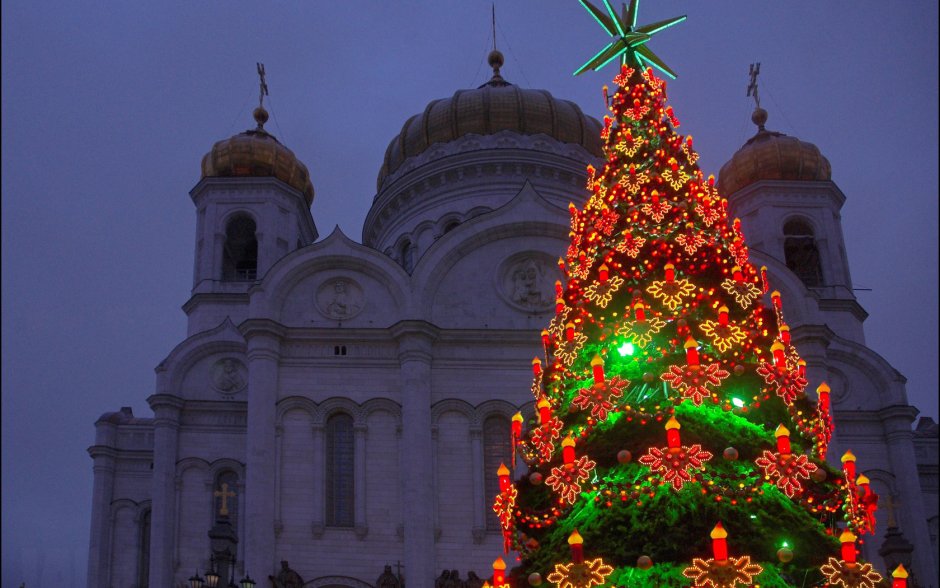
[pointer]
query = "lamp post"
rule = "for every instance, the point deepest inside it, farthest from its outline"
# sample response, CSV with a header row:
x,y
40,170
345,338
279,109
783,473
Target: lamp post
x,y
195,581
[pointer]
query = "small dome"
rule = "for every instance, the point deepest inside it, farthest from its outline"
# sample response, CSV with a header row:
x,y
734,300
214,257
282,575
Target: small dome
x,y
769,155
256,153
493,107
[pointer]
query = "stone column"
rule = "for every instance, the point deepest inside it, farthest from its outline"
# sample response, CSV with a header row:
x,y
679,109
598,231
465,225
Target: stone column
x,y
359,488
479,500
103,453
897,426
166,423
415,340
263,340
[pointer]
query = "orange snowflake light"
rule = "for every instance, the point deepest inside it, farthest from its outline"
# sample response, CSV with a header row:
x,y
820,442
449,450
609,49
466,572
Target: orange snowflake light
x,y
580,575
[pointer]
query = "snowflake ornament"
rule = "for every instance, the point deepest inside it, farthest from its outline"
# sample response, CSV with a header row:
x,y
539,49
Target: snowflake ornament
x,y
735,571
691,241
593,572
601,293
850,575
707,212
656,209
788,382
544,436
675,175
675,465
690,154
601,397
503,506
655,84
641,332
786,470
637,111
623,78
566,479
723,336
633,181
693,381
631,244
568,350
744,292
606,222
629,145
671,292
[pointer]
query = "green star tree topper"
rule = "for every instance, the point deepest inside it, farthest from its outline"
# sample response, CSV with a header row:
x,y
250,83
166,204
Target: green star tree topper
x,y
674,443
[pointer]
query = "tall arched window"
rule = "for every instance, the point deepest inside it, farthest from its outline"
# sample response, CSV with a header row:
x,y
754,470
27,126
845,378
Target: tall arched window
x,y
143,557
225,493
800,252
407,252
240,252
340,473
496,450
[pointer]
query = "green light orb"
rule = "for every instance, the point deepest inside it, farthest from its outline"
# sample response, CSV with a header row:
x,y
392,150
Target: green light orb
x,y
737,402
626,349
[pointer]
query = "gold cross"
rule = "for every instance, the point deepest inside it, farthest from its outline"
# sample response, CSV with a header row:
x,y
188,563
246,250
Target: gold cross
x,y
752,87
224,494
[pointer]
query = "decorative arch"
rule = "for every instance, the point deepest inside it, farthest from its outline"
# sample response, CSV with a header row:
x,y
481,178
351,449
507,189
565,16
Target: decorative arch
x,y
188,463
337,582
222,339
337,404
454,405
495,407
382,405
301,403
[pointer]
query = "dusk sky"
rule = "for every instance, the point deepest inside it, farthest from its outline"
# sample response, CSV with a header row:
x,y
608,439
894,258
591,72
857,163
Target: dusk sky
x,y
108,108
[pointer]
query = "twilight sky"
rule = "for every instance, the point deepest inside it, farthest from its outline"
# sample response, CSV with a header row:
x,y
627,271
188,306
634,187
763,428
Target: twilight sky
x,y
109,106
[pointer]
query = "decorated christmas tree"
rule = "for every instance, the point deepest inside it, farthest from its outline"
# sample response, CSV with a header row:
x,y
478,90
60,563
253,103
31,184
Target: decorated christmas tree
x,y
674,442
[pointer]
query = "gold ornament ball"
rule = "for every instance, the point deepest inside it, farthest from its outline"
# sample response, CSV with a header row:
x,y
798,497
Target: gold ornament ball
x,y
819,475
535,579
624,456
644,562
648,377
784,554
731,454
739,369
535,478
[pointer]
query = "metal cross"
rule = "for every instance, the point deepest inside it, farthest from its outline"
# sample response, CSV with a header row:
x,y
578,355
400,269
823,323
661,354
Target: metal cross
x,y
752,86
224,494
264,84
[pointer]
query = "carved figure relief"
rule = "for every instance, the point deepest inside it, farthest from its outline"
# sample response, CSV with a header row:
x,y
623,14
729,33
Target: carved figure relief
x,y
287,578
339,299
527,282
229,376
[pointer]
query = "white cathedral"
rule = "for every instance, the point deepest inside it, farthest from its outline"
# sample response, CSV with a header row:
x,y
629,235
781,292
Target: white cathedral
x,y
343,407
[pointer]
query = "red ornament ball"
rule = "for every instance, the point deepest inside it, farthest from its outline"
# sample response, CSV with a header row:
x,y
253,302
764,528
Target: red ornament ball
x,y
535,579
624,456
535,478
819,475
731,454
739,369
644,562
648,377
784,554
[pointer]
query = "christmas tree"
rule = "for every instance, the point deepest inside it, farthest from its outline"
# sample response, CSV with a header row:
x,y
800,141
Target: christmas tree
x,y
674,442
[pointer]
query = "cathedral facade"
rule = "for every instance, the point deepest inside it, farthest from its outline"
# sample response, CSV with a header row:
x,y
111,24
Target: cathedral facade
x,y
344,406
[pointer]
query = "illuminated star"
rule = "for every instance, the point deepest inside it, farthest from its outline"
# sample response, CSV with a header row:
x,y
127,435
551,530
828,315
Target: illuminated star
x,y
629,42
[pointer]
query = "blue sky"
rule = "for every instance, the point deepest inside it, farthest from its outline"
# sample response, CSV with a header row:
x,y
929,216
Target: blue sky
x,y
107,109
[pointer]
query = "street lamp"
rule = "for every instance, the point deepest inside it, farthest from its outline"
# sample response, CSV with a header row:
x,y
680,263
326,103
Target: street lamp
x,y
247,582
195,581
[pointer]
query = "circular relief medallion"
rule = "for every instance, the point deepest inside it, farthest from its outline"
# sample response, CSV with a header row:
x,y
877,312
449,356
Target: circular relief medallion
x,y
526,281
229,375
339,299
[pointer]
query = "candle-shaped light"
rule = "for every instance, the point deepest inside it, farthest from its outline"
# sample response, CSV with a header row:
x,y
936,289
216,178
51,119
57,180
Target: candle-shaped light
x,y
559,305
597,367
639,311
517,425
785,334
737,275
801,367
499,572
763,278
546,337
848,466
864,487
576,542
603,273
691,352
569,331
536,367
558,288
670,269
561,264
720,543
673,441
847,539
567,451
780,360
899,577
822,392
783,440
775,299
503,474
545,410
723,315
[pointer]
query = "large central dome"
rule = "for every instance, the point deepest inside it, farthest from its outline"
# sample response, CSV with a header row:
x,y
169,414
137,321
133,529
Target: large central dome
x,y
493,107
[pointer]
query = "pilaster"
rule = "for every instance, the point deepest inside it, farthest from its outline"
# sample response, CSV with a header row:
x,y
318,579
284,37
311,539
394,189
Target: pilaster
x,y
166,423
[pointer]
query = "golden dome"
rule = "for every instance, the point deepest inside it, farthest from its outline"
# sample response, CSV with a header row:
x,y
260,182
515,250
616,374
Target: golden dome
x,y
495,106
772,156
256,153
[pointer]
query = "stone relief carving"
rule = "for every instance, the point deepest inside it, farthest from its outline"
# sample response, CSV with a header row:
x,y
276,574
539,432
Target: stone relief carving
x,y
526,282
339,299
229,376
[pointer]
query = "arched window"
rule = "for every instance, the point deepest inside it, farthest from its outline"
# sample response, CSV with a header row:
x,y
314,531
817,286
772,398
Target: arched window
x,y
450,226
225,494
340,481
407,251
143,556
496,450
800,252
240,252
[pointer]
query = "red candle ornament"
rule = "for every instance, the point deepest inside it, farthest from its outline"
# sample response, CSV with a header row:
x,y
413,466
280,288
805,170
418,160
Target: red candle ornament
x,y
775,299
783,440
780,360
537,367
823,393
576,542
567,451
569,332
864,488
670,269
499,572
639,311
763,278
558,288
559,305
603,273
723,315
847,538
691,351
597,366
899,577
720,543
546,337
736,274
545,410
672,434
503,474
801,366
561,264
517,425
785,334
848,466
